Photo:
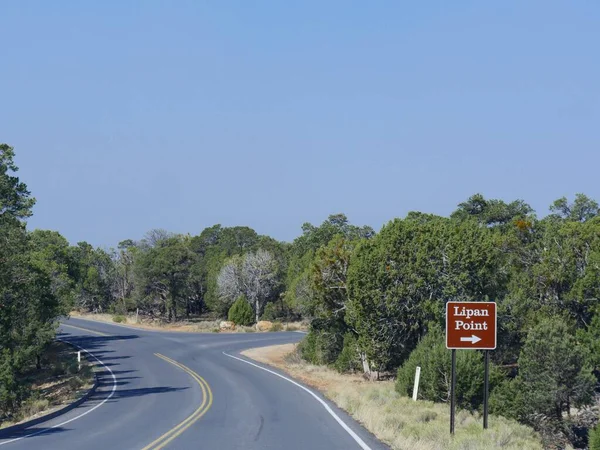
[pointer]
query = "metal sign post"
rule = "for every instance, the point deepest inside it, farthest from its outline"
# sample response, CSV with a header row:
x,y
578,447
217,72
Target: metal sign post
x,y
486,388
453,392
472,326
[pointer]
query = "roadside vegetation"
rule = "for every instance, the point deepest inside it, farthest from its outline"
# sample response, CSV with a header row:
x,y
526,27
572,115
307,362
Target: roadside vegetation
x,y
58,381
396,419
375,301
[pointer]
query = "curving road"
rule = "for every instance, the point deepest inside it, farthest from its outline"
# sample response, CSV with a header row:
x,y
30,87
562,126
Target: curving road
x,y
189,391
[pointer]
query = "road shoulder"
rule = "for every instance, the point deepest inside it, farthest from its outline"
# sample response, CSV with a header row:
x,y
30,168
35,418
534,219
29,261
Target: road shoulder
x,y
58,407
395,420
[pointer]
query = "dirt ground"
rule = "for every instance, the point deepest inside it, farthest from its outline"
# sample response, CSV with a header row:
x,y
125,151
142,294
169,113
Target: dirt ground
x,y
59,382
188,326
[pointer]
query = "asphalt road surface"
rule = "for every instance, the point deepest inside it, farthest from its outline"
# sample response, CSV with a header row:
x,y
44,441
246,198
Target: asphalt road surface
x,y
189,391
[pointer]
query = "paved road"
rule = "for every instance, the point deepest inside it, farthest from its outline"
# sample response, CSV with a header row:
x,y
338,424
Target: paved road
x,y
180,391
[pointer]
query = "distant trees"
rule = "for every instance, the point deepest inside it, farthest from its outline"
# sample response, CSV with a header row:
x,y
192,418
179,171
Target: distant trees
x,y
299,282
375,301
492,212
123,282
582,209
253,276
162,274
92,273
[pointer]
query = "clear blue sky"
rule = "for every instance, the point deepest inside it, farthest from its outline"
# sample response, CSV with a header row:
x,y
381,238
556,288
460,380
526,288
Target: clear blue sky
x,y
128,116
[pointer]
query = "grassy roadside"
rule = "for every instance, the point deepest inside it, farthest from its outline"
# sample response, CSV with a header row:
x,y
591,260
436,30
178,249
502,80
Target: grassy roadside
x,y
58,383
395,420
188,326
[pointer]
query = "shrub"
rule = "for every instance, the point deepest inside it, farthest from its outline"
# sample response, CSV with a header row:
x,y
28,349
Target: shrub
x,y
241,313
119,319
71,367
594,438
122,307
507,399
552,370
436,368
276,326
271,312
552,378
590,341
11,391
321,347
348,359
33,407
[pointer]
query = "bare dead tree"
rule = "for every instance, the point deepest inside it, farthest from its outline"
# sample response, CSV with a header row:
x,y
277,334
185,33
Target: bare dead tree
x,y
253,276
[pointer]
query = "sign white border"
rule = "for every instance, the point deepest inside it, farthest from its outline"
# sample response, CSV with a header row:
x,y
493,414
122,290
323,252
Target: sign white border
x,y
474,347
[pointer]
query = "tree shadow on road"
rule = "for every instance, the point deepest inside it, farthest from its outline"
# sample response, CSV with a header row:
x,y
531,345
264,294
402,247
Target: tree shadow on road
x,y
24,433
106,380
128,393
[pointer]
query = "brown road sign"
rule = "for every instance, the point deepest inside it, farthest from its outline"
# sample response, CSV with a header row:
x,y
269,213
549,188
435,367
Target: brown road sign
x,y
471,325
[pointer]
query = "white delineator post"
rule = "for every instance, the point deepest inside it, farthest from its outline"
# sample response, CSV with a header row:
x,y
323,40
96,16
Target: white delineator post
x,y
416,387
79,359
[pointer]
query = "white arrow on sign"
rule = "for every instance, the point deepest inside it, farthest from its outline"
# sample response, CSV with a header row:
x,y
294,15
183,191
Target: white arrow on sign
x,y
473,339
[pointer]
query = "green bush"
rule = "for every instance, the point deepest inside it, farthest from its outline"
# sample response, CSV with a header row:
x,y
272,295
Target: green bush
x,y
507,399
552,378
321,347
348,359
590,341
72,367
32,407
122,307
241,313
552,370
11,392
594,438
271,312
119,319
436,368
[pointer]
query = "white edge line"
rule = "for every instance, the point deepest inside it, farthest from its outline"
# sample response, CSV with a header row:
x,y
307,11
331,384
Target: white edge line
x,y
354,436
112,392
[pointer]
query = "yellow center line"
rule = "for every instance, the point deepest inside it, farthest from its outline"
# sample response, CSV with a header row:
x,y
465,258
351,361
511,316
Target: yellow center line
x,y
207,399
176,431
84,329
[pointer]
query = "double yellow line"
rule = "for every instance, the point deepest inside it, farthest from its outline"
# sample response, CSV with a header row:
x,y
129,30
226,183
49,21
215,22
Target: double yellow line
x,y
207,399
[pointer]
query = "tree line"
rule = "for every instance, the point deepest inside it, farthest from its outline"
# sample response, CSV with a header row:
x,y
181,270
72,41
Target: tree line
x,y
375,301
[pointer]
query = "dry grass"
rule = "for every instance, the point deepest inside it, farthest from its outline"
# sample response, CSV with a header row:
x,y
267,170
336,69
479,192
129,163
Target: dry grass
x,y
59,382
192,326
395,420
188,326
